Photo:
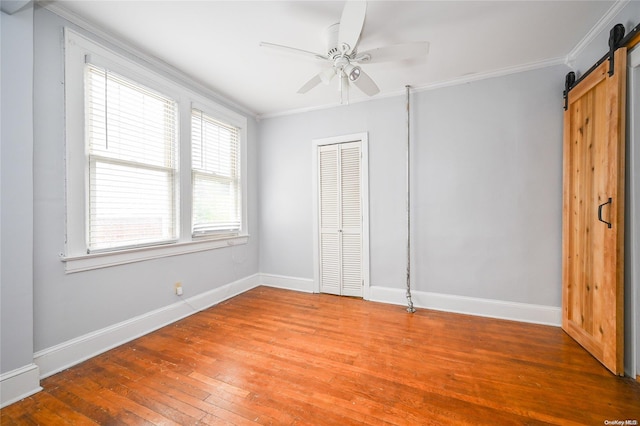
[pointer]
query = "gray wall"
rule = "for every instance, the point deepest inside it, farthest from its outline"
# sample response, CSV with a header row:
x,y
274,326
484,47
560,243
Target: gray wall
x,y
285,186
487,187
68,306
16,192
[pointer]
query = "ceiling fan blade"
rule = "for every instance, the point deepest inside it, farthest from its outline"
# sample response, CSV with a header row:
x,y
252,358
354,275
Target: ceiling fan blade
x,y
351,24
397,52
324,76
315,80
366,84
327,75
293,50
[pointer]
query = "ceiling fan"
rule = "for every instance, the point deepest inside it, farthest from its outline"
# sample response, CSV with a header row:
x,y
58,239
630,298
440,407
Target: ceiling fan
x,y
342,52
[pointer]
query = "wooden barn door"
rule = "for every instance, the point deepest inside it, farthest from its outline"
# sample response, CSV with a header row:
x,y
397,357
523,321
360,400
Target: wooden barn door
x,y
593,213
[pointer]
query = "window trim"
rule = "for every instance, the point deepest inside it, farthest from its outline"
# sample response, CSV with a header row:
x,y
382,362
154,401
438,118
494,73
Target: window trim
x,y
79,49
122,257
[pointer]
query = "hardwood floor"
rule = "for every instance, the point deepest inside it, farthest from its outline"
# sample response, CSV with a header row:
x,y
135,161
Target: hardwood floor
x,y
278,357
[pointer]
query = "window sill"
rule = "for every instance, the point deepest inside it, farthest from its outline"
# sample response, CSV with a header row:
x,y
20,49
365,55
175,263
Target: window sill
x,y
89,262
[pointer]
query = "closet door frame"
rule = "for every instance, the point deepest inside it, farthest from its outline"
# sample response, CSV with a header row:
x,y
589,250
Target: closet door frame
x,y
632,276
363,138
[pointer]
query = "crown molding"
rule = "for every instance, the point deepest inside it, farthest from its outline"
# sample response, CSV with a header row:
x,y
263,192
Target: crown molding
x,y
516,69
13,6
430,86
568,60
159,64
603,24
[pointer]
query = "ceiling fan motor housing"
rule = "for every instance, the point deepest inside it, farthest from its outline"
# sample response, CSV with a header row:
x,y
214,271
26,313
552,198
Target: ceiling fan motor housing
x,y
331,42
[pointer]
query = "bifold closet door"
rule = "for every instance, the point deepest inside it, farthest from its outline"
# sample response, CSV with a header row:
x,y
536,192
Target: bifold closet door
x,y
593,213
340,214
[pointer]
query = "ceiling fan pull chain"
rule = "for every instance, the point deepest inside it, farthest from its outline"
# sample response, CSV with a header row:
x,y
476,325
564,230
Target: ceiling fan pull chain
x,y
346,87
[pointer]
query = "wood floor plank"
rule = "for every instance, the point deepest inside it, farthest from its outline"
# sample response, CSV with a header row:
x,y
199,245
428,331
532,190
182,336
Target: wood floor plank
x,y
47,404
82,406
277,357
86,391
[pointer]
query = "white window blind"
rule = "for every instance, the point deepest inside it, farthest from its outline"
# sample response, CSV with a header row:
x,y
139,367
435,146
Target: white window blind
x,y
132,152
215,160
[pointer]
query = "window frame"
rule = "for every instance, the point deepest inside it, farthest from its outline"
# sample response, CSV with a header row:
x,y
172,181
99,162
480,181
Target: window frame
x,y
78,50
96,156
222,117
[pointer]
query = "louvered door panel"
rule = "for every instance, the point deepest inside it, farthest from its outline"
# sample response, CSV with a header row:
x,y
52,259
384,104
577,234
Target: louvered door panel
x,y
351,219
351,265
350,186
330,263
340,212
329,189
330,270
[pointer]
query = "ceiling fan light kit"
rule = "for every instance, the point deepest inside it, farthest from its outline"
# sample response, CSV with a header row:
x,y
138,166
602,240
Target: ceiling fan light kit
x,y
352,72
341,43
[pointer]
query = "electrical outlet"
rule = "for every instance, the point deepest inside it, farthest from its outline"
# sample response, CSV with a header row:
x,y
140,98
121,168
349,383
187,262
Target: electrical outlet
x,y
178,288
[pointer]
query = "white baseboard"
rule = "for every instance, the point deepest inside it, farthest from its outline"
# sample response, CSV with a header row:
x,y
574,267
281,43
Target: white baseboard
x,y
57,358
288,283
523,312
69,353
18,384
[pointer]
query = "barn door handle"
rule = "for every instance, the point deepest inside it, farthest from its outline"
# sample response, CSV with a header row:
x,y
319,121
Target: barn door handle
x,y
600,212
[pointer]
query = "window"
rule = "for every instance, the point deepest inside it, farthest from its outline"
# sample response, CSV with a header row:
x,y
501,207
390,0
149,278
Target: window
x,y
216,180
132,144
153,168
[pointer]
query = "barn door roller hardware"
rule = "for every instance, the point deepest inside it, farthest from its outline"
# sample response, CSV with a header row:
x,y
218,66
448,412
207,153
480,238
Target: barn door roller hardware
x,y
616,35
569,82
617,39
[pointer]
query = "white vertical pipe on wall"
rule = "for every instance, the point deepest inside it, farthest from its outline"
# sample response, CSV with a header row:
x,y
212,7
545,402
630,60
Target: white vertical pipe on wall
x,y
410,307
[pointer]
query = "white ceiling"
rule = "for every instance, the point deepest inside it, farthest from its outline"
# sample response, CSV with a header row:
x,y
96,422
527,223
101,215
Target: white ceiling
x,y
217,42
